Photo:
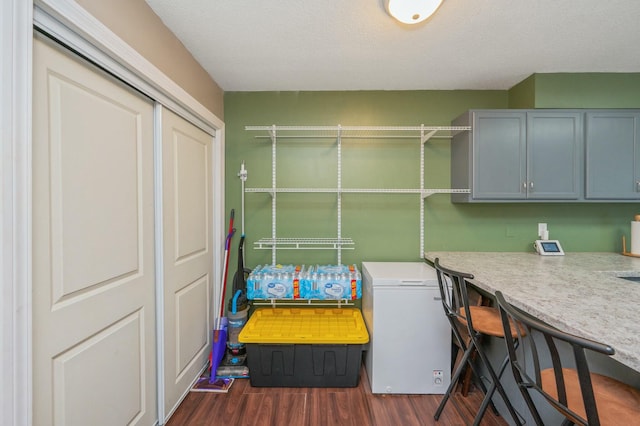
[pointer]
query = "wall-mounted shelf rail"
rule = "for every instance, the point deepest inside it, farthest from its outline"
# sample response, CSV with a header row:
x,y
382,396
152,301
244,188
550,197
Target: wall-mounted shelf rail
x,y
424,192
421,133
368,132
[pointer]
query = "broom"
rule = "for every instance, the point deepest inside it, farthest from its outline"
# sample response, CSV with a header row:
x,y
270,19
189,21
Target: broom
x,y
219,343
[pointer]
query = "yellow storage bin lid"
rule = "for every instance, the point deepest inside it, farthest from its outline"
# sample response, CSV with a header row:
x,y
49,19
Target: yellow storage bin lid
x,y
305,325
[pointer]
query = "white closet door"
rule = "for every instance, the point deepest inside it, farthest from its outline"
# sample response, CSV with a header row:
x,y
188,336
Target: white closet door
x,y
188,259
94,360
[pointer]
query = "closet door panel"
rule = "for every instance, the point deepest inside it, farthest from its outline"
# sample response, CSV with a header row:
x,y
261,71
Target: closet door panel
x,y
94,358
188,259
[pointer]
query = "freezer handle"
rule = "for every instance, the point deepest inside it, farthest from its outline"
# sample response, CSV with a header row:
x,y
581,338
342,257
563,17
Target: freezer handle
x,y
413,283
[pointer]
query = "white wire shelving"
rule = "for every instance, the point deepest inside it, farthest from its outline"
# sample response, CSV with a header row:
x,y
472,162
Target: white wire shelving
x,y
305,243
274,132
337,303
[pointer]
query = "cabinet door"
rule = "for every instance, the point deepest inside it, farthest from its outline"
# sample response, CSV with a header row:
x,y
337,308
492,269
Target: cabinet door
x,y
554,152
499,155
613,155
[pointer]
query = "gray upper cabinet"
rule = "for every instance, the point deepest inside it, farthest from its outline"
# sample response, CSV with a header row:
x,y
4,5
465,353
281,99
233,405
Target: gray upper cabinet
x,y
613,155
554,155
499,155
518,155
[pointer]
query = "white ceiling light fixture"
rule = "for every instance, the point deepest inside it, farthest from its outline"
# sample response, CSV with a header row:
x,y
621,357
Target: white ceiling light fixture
x,y
412,11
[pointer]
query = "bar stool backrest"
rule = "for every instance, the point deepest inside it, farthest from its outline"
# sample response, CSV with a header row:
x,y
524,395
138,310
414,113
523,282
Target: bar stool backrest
x,y
540,344
454,291
455,299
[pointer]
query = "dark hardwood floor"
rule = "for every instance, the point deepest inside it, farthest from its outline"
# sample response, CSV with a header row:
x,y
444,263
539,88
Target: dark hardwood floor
x,y
248,405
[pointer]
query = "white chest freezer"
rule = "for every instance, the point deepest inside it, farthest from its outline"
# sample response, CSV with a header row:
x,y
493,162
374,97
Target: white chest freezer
x,y
409,335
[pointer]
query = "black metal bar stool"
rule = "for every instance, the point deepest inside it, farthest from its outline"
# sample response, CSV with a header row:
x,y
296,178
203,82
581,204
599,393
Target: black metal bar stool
x,y
582,397
480,321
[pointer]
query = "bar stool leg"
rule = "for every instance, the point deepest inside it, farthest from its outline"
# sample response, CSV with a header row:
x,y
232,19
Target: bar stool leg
x,y
495,385
453,382
456,376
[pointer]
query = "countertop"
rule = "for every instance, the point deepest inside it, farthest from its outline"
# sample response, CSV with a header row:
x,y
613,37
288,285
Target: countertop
x,y
578,292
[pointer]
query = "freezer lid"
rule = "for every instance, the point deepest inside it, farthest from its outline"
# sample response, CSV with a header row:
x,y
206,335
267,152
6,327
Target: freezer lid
x,y
400,274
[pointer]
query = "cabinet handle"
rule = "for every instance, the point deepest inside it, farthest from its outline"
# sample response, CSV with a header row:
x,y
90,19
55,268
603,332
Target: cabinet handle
x,y
530,185
638,186
524,185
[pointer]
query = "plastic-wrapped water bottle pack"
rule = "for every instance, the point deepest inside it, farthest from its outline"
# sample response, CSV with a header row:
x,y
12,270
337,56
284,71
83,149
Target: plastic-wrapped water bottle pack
x,y
275,282
318,282
325,282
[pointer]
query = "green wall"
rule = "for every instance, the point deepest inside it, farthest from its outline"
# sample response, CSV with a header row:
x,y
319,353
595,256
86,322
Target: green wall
x,y
386,227
523,94
585,90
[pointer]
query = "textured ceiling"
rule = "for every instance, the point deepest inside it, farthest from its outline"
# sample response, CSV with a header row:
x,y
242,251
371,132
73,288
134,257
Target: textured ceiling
x,y
252,45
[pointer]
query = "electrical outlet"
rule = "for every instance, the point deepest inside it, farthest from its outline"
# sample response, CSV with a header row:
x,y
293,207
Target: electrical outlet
x,y
542,228
438,377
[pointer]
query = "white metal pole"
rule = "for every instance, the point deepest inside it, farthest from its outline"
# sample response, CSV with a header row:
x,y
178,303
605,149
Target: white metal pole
x,y
339,141
243,178
273,194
